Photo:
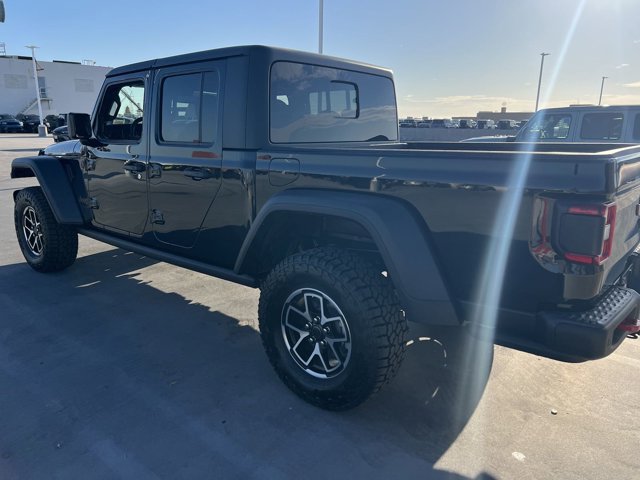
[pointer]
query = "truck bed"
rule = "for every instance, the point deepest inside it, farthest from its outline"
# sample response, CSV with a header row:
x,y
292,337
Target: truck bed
x,y
457,188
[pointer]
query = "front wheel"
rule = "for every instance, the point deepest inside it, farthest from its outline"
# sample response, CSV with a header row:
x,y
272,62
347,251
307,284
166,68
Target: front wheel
x,y
331,326
47,246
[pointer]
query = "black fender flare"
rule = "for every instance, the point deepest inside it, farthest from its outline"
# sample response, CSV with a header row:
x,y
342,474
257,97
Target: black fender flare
x,y
400,234
55,184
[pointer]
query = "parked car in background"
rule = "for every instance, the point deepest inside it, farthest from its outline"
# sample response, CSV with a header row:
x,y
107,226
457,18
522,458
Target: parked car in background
x,y
424,124
467,123
408,123
61,134
9,124
30,123
507,125
486,124
442,123
54,121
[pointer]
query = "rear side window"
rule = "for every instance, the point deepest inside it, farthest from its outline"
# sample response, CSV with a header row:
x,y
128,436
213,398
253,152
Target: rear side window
x,y
636,127
310,103
602,126
553,126
190,108
121,112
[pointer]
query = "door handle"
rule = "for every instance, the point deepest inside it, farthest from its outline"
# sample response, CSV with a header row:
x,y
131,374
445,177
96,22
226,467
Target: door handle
x,y
134,166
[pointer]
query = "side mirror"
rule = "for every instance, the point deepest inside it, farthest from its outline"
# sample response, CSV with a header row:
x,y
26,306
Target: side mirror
x,y
79,125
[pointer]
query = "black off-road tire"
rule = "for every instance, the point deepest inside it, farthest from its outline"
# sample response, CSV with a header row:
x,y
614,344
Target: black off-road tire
x,y
362,297
57,245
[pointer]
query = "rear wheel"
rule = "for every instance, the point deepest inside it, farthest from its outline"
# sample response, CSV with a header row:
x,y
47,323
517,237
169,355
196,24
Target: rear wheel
x,y
47,246
332,327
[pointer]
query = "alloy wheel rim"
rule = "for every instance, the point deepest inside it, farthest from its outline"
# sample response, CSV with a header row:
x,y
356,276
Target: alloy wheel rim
x,y
316,333
32,231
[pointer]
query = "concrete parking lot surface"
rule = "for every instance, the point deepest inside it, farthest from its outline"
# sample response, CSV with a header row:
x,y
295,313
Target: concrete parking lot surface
x,y
124,367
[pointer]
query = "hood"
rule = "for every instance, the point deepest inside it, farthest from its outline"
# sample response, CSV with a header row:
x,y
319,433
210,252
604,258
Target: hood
x,y
490,138
63,149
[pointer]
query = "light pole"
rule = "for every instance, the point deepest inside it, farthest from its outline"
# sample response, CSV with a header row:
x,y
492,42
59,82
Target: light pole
x,y
601,89
42,130
320,25
540,78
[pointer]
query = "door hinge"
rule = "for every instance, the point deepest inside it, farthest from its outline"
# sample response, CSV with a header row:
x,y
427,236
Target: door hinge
x,y
91,202
155,170
157,217
89,164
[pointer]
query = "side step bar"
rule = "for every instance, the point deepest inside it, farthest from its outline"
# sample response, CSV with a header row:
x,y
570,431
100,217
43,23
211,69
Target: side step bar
x,y
171,258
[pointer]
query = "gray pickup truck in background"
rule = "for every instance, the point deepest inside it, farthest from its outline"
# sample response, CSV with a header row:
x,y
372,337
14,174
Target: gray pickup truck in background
x,y
578,123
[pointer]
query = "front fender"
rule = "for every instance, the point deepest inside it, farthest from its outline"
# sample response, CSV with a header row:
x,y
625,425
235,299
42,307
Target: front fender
x,y
56,184
400,235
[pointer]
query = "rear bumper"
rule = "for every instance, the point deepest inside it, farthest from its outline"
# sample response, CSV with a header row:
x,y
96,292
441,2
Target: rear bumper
x,y
593,333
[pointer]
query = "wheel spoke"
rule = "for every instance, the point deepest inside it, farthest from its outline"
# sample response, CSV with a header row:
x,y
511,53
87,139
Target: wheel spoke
x,y
335,354
302,314
314,352
39,243
302,337
332,319
332,334
299,331
308,299
324,364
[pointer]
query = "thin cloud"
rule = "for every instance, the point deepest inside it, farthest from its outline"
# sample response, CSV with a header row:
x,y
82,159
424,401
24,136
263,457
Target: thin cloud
x,y
632,85
622,65
457,99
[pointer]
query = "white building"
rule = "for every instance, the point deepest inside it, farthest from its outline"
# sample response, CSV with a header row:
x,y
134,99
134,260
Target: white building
x,y
64,86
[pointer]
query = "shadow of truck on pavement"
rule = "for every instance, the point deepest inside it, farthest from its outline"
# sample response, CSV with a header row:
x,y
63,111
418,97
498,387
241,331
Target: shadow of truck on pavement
x,y
104,375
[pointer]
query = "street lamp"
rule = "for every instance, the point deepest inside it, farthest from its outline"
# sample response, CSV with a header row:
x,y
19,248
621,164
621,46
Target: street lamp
x,y
320,25
42,130
540,78
601,89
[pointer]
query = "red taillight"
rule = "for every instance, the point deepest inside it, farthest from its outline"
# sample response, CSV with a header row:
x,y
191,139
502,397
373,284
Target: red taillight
x,y
608,212
578,258
594,211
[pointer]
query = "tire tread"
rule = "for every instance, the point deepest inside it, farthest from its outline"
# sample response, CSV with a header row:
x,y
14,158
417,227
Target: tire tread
x,y
60,241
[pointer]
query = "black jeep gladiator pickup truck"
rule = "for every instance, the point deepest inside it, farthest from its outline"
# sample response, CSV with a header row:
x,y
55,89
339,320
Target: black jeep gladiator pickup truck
x,y
282,170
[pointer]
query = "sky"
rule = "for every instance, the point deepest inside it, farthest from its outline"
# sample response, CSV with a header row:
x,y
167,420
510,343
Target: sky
x,y
449,57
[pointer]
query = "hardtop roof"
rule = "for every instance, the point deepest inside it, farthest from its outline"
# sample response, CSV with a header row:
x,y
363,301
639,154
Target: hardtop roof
x,y
580,108
274,53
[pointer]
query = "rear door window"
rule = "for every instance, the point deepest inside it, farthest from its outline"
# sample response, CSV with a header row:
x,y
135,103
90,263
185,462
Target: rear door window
x,y
602,126
190,108
311,103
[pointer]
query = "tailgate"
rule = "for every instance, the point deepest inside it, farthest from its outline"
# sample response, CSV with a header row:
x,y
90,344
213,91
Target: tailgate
x,y
588,237
626,234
